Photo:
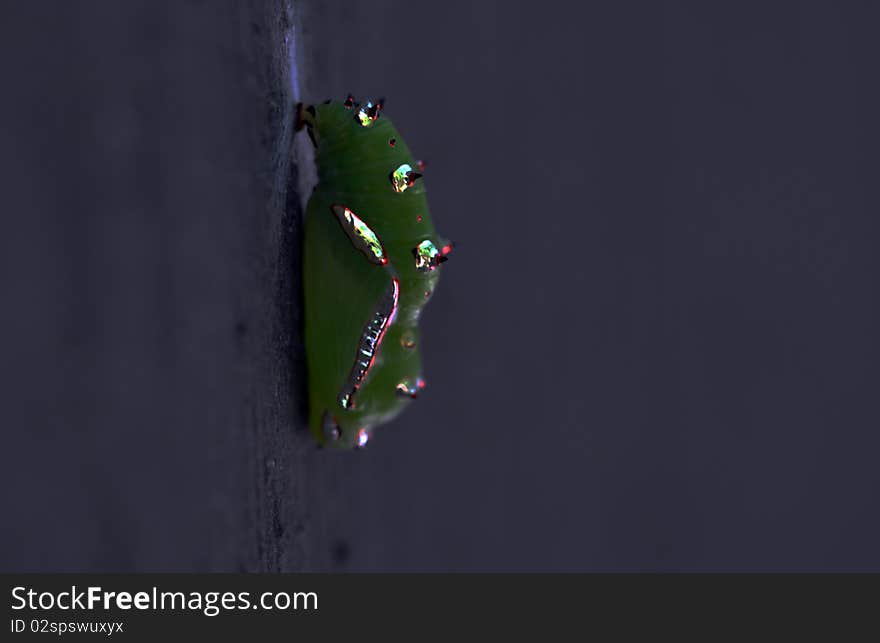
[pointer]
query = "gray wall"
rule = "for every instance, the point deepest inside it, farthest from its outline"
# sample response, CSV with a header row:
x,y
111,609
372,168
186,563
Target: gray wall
x,y
655,346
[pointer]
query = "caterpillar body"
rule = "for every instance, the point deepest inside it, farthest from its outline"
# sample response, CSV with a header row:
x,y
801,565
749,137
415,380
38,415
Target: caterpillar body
x,y
370,265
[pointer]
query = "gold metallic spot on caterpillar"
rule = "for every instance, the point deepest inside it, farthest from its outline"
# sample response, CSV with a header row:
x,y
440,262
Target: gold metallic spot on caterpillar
x,y
360,234
368,113
403,177
410,389
408,340
427,256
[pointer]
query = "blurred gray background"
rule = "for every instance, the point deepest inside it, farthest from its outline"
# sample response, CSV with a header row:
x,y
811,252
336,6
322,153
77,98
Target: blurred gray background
x,y
654,348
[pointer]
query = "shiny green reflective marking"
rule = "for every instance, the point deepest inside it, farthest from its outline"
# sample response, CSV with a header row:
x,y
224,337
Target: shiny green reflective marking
x,y
427,256
360,234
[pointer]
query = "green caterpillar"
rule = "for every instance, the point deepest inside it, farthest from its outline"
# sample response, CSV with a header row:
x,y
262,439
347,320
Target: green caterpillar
x,y
370,265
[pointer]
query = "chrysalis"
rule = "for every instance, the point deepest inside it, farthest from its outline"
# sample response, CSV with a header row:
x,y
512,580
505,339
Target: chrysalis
x,y
371,254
